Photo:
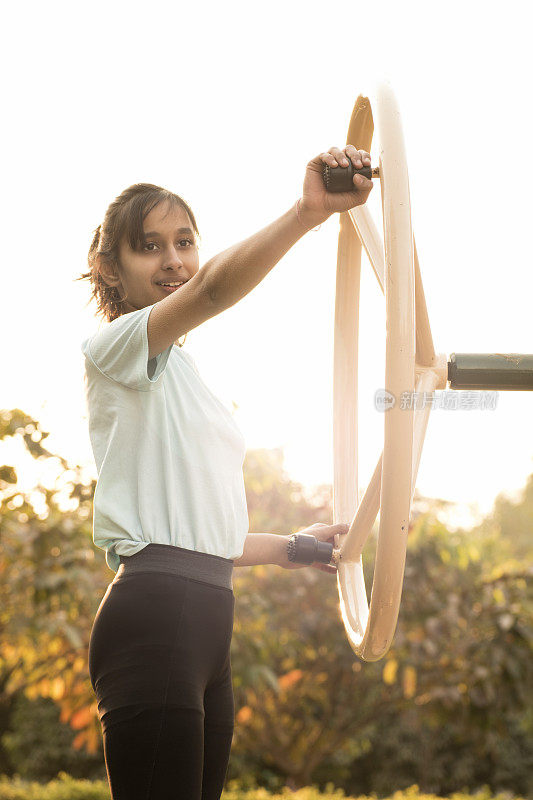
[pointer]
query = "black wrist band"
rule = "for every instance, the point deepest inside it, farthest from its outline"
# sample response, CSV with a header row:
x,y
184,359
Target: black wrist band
x,y
304,548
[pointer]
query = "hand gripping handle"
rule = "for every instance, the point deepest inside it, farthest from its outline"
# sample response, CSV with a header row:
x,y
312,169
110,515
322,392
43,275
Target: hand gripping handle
x,y
340,179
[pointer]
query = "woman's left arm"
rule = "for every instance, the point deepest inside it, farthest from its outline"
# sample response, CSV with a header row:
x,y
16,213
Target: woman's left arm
x,y
263,548
271,548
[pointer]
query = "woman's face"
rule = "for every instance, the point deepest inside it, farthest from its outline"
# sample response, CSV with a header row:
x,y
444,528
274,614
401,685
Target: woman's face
x,y
170,254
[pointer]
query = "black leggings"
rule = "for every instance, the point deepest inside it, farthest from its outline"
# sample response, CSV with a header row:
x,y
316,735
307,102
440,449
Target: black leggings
x,y
159,662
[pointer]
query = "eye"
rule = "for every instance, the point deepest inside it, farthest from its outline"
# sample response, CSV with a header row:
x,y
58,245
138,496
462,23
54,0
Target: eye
x,y
149,244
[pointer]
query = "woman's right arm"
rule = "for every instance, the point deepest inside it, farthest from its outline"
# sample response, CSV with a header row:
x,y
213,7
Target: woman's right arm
x,y
229,276
223,281
233,273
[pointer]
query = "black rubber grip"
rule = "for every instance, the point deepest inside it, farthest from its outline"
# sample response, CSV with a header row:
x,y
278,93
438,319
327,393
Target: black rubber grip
x,y
304,548
340,179
507,371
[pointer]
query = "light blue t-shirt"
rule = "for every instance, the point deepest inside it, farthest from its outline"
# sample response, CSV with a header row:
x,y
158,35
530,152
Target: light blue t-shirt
x,y
168,452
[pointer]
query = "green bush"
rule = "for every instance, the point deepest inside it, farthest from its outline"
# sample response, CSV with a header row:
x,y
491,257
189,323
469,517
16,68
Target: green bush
x,y
63,788
39,745
67,788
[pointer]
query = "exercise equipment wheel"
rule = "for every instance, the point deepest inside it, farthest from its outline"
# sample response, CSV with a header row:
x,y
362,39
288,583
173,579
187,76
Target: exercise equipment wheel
x,y
411,366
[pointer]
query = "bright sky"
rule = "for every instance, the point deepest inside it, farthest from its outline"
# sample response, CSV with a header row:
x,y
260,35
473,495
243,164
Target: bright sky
x,y
225,103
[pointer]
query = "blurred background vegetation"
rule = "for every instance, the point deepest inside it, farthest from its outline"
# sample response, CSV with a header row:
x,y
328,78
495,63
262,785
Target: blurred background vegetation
x,y
448,709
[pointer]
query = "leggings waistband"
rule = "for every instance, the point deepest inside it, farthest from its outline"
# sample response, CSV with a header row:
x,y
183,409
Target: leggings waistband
x,y
156,557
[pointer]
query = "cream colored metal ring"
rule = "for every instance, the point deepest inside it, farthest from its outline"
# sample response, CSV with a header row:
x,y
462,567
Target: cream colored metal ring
x,y
411,365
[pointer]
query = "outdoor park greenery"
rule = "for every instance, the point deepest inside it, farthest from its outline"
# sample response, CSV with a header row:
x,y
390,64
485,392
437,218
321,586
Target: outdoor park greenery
x,y
449,709
67,788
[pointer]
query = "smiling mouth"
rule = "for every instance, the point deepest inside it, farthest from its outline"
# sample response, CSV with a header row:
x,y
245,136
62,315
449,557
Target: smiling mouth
x,y
171,286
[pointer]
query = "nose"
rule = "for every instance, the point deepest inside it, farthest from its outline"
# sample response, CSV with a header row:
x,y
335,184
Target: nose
x,y
172,255
172,259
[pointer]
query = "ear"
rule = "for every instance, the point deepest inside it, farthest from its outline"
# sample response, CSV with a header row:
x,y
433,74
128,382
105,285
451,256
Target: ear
x,y
107,270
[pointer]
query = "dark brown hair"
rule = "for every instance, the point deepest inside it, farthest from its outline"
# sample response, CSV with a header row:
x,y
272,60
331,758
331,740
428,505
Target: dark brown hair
x,y
124,217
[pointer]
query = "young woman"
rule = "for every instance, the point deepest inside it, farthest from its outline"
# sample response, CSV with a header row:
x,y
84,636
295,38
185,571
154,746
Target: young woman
x,y
170,506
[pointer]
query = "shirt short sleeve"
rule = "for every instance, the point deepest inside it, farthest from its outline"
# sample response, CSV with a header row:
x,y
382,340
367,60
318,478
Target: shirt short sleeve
x,y
120,351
